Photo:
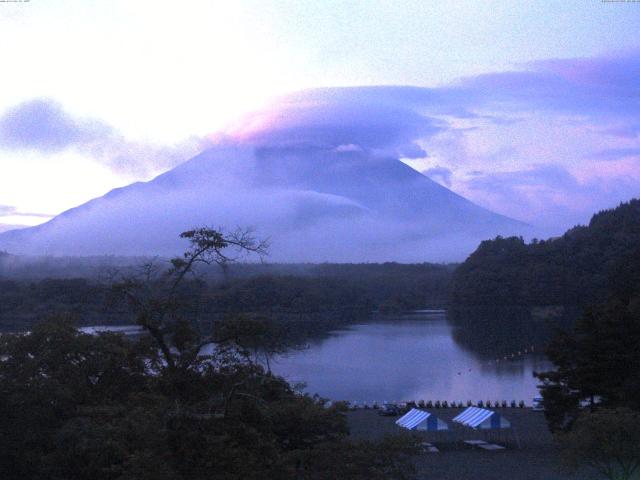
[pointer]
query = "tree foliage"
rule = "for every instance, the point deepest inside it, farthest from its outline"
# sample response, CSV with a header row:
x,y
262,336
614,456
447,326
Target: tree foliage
x,y
154,295
607,440
302,300
77,406
598,363
179,403
573,269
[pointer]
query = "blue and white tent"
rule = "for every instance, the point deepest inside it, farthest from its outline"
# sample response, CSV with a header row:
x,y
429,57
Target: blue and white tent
x,y
482,419
420,420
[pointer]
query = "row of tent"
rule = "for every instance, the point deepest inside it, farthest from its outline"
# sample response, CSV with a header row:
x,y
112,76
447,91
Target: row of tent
x,y
473,417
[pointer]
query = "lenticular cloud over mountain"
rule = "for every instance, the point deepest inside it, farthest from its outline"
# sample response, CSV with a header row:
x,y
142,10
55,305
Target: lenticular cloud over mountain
x,y
318,175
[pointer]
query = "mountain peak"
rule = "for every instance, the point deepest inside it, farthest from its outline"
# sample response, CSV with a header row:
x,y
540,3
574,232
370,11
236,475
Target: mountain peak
x,y
315,204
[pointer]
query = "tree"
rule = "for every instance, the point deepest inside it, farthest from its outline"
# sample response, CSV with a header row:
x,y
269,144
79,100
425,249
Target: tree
x,y
573,269
598,363
57,384
75,406
607,440
361,460
154,294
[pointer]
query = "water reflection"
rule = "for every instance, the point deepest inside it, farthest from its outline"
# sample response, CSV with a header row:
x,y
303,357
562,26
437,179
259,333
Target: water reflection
x,y
419,357
492,333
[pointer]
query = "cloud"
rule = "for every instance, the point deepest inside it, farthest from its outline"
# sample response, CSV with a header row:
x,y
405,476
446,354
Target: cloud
x,y
589,86
334,118
505,183
539,133
42,125
615,153
442,175
8,210
390,118
630,131
549,195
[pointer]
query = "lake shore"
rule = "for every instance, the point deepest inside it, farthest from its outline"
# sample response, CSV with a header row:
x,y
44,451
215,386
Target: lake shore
x,y
537,458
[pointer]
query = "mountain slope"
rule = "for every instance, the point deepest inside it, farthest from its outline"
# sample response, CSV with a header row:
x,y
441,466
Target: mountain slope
x,y
314,205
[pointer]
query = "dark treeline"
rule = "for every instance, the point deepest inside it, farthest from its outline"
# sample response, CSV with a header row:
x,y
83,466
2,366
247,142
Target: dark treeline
x,y
164,406
308,299
574,269
281,298
592,396
391,286
586,282
34,268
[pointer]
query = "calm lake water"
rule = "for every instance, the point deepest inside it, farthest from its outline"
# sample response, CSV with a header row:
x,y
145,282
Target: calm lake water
x,y
419,356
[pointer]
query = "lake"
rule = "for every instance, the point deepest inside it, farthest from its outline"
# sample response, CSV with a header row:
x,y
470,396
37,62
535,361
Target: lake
x,y
420,356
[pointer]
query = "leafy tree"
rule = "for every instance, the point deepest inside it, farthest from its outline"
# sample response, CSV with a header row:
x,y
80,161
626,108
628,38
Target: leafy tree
x,y
75,406
598,363
155,294
55,385
573,269
607,441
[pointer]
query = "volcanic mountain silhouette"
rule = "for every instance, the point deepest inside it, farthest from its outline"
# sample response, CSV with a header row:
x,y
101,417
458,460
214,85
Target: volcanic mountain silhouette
x,y
314,204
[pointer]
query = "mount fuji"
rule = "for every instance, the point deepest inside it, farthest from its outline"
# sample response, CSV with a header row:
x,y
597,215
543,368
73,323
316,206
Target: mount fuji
x,y
314,204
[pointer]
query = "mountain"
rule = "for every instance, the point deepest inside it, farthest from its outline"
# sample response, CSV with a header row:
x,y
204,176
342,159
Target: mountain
x,y
313,204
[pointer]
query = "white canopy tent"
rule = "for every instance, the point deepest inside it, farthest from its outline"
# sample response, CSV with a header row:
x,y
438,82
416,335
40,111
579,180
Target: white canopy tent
x,y
421,420
482,419
487,421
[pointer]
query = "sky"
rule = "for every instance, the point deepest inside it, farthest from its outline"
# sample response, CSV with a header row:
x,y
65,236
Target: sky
x,y
531,109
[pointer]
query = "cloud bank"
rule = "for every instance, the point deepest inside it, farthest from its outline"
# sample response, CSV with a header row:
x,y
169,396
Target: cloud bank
x,y
549,143
42,125
9,210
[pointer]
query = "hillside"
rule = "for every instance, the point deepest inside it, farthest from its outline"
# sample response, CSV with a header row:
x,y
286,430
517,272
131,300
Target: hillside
x,y
575,269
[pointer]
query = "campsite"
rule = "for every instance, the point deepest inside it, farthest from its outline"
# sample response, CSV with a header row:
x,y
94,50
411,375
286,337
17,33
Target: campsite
x,y
461,461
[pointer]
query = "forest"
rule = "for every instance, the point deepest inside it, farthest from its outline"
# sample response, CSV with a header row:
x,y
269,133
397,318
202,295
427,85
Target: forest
x,y
303,300
78,406
575,269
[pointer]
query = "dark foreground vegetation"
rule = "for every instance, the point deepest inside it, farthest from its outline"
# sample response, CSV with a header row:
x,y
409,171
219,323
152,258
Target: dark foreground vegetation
x,y
598,361
78,406
306,300
74,406
592,397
